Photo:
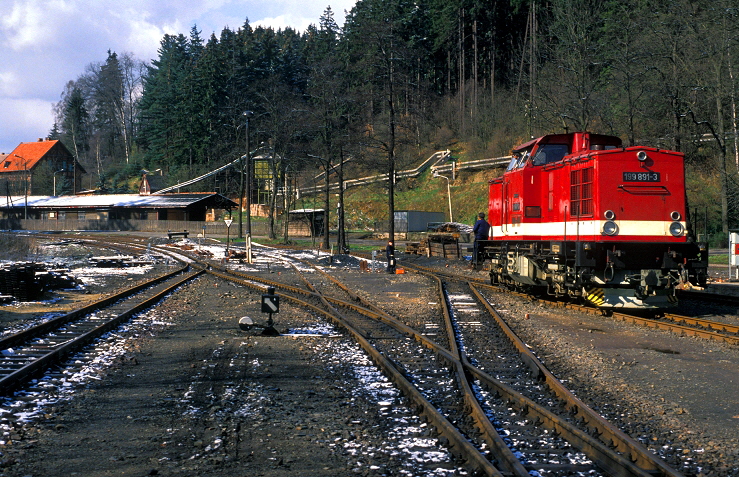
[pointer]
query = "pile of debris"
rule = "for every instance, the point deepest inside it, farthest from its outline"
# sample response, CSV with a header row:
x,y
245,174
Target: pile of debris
x,y
442,240
451,228
236,254
121,261
442,245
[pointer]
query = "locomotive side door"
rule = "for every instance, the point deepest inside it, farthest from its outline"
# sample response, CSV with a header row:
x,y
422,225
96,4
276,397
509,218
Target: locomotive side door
x,y
512,194
495,207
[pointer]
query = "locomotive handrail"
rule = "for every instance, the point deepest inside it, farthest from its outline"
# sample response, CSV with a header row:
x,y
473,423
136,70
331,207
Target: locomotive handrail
x,y
645,190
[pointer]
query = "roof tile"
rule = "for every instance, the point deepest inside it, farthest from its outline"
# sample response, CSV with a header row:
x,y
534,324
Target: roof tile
x,y
26,155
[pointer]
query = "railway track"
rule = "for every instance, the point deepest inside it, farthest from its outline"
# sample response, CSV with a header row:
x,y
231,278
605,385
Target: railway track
x,y
687,326
472,416
409,352
683,325
34,350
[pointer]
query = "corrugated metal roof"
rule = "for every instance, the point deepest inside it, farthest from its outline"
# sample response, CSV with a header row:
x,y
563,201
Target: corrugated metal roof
x,y
115,200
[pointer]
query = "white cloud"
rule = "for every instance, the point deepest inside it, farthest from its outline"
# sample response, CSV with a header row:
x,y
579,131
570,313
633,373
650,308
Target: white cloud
x,y
30,119
46,43
283,21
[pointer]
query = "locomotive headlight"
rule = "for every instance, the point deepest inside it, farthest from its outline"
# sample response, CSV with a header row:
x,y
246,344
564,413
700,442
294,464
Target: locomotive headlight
x,y
675,215
642,156
677,229
609,215
610,228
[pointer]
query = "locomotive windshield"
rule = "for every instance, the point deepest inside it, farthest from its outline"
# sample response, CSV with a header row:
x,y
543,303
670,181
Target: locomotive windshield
x,y
549,153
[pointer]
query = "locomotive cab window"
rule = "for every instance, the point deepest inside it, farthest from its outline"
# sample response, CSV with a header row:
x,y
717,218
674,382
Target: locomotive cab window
x,y
549,153
518,161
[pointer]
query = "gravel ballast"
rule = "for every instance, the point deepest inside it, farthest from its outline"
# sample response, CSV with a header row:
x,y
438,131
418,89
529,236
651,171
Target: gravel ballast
x,y
190,393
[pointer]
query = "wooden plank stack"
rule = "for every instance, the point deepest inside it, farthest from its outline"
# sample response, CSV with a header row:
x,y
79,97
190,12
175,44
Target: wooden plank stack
x,y
443,245
414,248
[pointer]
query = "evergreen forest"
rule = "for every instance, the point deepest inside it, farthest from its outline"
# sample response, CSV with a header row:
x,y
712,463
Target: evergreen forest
x,y
403,78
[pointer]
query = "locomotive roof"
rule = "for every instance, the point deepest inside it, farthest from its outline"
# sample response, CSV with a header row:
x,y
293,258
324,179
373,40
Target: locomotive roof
x,y
583,139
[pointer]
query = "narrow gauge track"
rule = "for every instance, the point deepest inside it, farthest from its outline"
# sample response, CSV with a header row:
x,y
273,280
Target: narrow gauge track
x,y
432,325
505,367
567,408
38,348
435,379
687,326
682,325
708,297
356,320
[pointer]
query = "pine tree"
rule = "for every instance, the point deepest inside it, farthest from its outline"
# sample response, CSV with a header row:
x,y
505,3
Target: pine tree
x,y
75,123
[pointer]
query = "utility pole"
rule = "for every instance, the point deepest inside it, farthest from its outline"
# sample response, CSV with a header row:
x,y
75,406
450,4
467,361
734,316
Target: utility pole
x,y
247,115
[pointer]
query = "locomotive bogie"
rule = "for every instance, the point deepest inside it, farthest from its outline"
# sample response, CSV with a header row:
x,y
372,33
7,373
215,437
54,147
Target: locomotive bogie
x,y
637,275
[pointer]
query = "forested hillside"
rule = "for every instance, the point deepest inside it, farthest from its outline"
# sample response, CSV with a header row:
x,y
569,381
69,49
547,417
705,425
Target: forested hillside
x,y
402,78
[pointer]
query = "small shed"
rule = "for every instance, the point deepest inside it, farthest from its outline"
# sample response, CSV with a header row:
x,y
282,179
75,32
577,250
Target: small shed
x,y
306,222
416,220
151,183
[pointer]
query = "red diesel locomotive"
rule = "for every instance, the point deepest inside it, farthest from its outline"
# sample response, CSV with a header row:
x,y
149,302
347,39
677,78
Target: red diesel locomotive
x,y
581,216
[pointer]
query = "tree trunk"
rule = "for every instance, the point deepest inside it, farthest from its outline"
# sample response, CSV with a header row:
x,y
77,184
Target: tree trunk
x,y
326,206
341,242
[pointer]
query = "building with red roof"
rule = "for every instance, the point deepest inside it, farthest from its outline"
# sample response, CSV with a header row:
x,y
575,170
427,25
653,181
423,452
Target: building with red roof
x,y
38,168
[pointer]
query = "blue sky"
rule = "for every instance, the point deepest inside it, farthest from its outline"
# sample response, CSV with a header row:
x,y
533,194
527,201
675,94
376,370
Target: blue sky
x,y
46,43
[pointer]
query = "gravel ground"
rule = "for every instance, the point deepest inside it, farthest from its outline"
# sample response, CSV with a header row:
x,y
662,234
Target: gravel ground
x,y
189,393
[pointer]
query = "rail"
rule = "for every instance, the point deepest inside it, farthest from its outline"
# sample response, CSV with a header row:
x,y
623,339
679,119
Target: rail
x,y
634,460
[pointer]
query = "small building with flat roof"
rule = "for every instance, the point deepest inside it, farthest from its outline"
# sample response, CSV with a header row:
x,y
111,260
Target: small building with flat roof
x,y
112,212
186,207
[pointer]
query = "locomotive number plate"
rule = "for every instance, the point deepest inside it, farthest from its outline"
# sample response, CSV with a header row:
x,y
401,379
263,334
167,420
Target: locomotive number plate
x,y
641,176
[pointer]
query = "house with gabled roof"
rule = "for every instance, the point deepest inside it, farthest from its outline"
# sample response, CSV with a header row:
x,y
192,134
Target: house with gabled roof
x,y
151,183
38,168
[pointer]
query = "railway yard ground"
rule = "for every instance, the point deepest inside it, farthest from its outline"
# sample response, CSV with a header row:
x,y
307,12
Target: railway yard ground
x,y
185,391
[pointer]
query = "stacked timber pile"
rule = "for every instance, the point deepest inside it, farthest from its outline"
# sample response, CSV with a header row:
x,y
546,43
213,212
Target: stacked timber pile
x,y
19,281
414,248
443,245
29,281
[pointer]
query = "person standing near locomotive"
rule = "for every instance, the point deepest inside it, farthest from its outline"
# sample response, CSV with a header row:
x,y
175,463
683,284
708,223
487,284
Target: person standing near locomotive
x,y
390,254
481,231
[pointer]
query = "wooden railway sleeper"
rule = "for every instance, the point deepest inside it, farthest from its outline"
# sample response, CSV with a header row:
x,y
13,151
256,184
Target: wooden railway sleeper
x,y
380,358
476,462
626,446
